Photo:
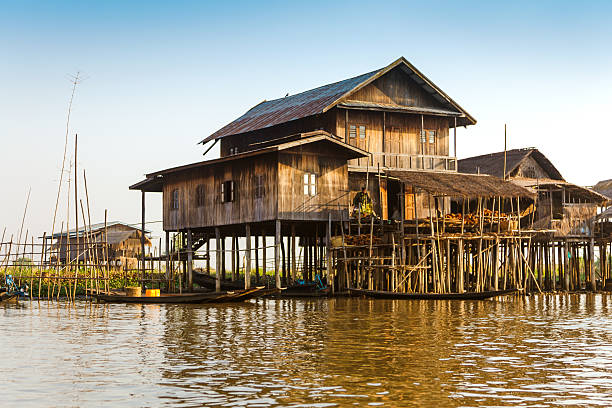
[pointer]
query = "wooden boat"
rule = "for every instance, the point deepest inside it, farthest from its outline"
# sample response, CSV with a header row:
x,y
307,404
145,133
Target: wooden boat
x,y
431,296
210,282
9,296
186,298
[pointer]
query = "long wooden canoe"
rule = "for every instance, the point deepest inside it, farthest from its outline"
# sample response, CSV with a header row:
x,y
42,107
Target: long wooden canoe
x,y
185,298
431,296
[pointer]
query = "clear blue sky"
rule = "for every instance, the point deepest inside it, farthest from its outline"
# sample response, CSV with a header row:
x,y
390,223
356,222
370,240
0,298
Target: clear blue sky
x,y
162,76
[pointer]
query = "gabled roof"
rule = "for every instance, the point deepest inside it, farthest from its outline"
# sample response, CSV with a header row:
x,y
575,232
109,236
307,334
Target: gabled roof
x,y
321,99
94,228
154,181
493,163
604,187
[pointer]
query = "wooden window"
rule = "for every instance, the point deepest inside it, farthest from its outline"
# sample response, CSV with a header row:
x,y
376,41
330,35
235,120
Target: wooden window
x,y
200,195
259,186
423,136
362,132
228,191
310,184
174,199
431,134
353,131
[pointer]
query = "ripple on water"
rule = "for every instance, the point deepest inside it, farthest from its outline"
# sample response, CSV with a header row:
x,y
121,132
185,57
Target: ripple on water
x,y
537,351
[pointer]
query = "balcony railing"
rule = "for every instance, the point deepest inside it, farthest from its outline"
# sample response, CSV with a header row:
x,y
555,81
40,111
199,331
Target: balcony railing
x,y
407,161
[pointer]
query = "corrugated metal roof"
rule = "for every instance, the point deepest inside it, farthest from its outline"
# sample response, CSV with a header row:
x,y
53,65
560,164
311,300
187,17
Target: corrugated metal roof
x,y
94,228
270,113
321,99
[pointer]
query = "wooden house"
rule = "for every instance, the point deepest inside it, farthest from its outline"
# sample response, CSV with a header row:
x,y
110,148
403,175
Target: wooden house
x,y
564,207
604,187
297,161
122,240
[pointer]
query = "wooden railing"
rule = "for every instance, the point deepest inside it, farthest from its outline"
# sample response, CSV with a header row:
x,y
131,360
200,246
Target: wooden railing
x,y
407,161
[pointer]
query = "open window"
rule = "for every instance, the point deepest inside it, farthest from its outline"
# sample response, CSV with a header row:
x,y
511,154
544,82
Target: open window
x,y
228,191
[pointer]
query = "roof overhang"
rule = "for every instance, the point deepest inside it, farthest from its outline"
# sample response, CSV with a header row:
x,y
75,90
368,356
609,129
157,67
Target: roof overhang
x,y
459,185
154,181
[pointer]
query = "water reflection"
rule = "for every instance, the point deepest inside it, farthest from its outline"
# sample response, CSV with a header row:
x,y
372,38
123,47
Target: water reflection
x,y
548,350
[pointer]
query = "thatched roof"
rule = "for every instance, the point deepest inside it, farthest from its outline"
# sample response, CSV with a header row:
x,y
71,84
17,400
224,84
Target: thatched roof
x,y
323,98
576,192
604,187
459,184
493,163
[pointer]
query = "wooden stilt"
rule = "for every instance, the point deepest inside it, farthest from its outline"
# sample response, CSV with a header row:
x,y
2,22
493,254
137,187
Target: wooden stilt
x,y
277,254
218,259
247,267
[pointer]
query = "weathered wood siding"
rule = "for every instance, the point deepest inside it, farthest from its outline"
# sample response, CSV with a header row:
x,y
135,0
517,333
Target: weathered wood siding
x,y
396,88
530,168
331,173
401,134
245,207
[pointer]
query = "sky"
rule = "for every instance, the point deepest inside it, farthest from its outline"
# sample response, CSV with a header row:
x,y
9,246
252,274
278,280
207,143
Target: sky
x,y
158,77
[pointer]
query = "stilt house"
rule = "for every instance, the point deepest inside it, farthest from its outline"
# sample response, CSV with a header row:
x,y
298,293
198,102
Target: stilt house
x,y
291,166
123,240
561,206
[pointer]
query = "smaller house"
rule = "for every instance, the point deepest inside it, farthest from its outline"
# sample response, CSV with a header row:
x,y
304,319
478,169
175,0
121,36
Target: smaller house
x,y
604,187
566,208
124,244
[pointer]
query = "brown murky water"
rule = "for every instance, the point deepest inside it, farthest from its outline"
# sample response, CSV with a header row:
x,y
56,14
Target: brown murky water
x,y
537,351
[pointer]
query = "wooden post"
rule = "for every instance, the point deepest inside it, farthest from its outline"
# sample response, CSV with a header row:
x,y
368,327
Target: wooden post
x,y
277,254
223,274
592,263
208,255
293,253
168,277
247,268
234,258
330,278
142,240
257,259
263,254
566,267
218,260
190,260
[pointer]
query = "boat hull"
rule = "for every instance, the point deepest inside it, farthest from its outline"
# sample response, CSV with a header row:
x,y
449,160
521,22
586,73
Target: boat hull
x,y
186,298
431,296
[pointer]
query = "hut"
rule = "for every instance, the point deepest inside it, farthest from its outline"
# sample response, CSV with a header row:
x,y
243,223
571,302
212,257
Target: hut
x,y
122,242
562,207
604,187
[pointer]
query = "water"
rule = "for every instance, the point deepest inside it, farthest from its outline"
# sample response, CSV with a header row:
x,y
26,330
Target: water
x,y
553,350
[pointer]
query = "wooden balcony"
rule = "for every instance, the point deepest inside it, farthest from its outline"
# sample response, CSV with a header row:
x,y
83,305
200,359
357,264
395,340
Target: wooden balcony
x,y
405,161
